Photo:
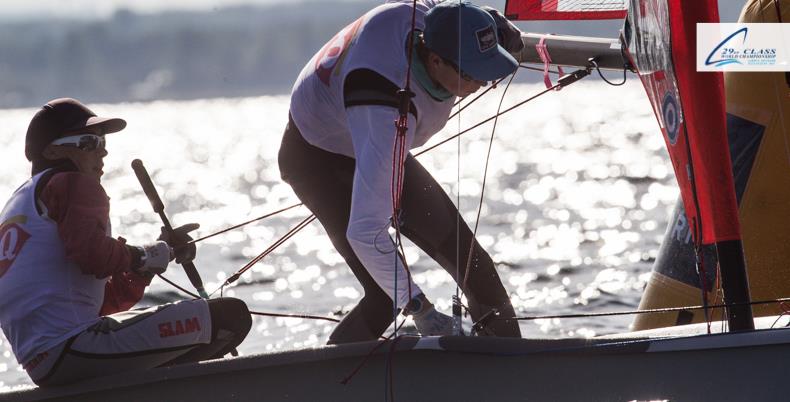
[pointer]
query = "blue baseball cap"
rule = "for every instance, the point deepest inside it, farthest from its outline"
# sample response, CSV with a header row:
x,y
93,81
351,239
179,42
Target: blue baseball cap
x,y
478,54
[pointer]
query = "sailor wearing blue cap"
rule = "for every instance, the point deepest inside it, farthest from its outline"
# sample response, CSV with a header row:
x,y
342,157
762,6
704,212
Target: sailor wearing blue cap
x,y
337,154
466,35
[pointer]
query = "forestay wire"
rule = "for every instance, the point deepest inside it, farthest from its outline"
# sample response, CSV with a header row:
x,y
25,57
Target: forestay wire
x,y
647,311
467,270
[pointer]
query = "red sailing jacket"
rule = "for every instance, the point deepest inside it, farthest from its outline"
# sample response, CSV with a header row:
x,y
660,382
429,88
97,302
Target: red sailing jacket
x,y
81,209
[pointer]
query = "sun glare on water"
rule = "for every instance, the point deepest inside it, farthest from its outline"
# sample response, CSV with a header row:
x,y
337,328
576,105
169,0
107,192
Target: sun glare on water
x,y
576,201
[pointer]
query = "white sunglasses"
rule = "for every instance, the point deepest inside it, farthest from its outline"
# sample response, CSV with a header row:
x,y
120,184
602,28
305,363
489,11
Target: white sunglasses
x,y
85,142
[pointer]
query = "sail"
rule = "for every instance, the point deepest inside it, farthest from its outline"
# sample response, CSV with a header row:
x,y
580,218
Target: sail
x,y
518,10
761,167
690,108
689,105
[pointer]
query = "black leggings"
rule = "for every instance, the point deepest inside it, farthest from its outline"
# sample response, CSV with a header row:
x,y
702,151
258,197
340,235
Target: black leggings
x,y
323,181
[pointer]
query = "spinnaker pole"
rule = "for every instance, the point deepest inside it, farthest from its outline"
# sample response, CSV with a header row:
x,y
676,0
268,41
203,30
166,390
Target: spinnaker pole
x,y
573,51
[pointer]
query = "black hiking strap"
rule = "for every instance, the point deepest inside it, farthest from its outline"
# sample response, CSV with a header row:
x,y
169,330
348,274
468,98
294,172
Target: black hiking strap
x,y
367,87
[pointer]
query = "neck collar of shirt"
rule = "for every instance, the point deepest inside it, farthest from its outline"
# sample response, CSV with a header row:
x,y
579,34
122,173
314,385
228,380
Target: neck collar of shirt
x,y
421,75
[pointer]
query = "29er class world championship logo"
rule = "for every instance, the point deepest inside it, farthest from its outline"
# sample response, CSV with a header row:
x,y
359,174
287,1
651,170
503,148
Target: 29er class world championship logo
x,y
743,47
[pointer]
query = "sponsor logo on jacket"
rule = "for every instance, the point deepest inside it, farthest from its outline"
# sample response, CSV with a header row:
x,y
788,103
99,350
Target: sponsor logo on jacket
x,y
334,52
12,238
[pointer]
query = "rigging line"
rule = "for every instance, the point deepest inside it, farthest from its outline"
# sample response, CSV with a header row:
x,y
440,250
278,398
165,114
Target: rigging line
x,y
694,225
364,361
467,272
490,87
617,84
719,295
278,243
305,316
399,152
648,311
456,310
245,223
399,160
390,358
395,330
545,91
785,311
395,191
266,252
536,69
382,341
175,285
299,226
494,86
302,224
703,279
411,43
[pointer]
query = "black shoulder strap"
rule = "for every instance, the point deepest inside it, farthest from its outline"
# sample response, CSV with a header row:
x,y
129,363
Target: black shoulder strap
x,y
367,87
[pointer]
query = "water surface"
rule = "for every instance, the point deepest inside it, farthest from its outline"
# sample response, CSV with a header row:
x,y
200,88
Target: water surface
x,y
576,203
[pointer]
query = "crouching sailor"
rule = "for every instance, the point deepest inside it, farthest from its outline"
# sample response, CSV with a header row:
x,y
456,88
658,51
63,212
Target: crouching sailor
x,y
66,286
337,155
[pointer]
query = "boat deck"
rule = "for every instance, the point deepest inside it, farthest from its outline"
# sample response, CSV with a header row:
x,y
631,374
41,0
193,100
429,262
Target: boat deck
x,y
645,366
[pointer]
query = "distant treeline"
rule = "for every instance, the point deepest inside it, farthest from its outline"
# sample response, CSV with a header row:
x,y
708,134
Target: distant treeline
x,y
175,55
240,51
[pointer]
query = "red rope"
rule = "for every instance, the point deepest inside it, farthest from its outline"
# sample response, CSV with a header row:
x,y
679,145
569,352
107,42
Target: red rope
x,y
390,364
310,317
268,251
399,153
243,224
364,361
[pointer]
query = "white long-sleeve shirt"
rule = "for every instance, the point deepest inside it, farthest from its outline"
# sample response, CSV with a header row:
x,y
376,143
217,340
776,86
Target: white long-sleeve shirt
x,y
376,41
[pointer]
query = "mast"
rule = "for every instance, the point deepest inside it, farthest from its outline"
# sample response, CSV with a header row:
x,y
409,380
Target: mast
x,y
735,284
700,124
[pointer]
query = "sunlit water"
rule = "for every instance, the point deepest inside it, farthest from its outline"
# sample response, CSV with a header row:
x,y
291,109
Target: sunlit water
x,y
578,193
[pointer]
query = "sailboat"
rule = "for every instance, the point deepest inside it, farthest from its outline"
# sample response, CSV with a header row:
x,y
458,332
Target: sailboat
x,y
695,362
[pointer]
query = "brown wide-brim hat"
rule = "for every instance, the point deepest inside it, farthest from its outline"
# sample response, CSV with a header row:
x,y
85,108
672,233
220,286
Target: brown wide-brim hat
x,y
61,118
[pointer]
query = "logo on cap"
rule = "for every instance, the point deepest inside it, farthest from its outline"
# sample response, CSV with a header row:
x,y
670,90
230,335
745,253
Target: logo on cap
x,y
486,39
